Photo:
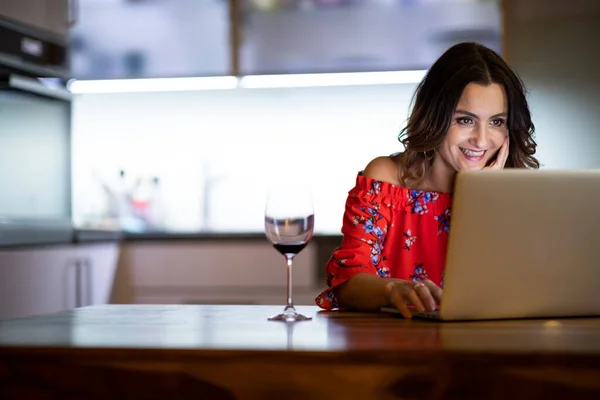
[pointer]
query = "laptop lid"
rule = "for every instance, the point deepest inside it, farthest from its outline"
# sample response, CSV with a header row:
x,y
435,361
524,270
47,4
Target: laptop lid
x,y
523,244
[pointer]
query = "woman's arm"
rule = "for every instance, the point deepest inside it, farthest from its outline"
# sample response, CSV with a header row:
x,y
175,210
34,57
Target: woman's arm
x,y
368,292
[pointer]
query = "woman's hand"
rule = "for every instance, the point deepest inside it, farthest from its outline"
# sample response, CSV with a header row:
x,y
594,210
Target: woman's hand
x,y
502,156
421,294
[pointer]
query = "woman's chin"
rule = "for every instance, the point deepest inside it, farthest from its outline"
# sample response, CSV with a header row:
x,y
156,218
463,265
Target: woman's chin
x,y
472,166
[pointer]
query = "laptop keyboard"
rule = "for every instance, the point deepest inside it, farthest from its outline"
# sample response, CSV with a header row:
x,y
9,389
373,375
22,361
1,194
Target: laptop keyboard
x,y
428,314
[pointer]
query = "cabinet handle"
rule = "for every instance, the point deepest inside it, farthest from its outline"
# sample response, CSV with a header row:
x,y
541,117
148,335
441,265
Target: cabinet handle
x,y
83,281
71,266
73,13
78,295
86,265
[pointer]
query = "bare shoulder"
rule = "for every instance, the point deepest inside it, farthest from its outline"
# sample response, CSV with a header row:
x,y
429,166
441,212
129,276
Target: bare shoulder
x,y
384,169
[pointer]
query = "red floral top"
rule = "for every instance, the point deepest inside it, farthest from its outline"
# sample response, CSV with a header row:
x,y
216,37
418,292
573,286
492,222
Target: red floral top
x,y
392,232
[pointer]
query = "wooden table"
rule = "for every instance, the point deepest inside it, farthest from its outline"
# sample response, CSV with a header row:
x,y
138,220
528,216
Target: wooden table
x,y
233,352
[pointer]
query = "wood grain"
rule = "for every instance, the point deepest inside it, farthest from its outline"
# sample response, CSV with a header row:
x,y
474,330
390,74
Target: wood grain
x,y
233,352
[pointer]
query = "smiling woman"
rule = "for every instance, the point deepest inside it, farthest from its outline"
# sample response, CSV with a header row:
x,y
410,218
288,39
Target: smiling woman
x,y
470,89
470,113
477,136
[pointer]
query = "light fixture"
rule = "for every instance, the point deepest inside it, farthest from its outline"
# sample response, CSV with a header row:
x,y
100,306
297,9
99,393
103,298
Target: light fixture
x,y
247,82
332,79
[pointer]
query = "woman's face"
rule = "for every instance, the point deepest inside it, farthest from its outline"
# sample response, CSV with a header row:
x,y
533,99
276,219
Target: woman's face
x,y
477,130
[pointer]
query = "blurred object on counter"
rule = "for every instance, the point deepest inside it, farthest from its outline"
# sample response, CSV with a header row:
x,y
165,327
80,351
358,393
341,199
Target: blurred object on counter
x,y
132,206
144,204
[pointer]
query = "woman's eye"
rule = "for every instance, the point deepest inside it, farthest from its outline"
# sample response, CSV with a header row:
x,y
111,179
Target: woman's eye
x,y
464,120
498,122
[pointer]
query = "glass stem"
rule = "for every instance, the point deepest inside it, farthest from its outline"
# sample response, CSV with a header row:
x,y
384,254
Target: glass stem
x,y
289,258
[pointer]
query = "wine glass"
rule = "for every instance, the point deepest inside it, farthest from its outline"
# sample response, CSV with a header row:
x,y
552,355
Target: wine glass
x,y
289,224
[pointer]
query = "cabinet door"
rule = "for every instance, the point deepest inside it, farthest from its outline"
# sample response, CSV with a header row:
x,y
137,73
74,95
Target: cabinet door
x,y
60,14
234,272
50,16
97,263
36,282
360,35
150,39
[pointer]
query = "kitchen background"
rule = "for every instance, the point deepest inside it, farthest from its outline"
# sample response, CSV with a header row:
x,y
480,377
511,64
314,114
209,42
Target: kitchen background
x,y
179,169
202,160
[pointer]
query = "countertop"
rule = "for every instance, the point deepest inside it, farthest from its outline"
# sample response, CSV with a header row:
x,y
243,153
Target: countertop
x,y
210,235
35,233
234,352
16,234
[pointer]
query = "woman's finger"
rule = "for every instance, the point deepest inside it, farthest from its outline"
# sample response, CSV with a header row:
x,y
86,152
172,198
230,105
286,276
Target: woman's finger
x,y
415,299
502,154
425,296
506,150
401,305
397,299
434,289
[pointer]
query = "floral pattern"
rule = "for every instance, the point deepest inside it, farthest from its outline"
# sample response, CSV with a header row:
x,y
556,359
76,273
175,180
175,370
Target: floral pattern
x,y
409,240
409,222
383,272
419,273
420,200
375,188
443,221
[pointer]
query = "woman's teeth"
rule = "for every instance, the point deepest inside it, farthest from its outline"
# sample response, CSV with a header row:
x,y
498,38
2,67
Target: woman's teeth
x,y
472,153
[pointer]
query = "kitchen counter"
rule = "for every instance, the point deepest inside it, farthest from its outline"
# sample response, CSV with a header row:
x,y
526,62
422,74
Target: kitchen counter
x,y
210,235
18,234
206,235
23,234
96,235
234,352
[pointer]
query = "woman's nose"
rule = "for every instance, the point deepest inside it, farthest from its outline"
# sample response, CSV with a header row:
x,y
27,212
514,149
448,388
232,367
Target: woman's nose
x,y
480,137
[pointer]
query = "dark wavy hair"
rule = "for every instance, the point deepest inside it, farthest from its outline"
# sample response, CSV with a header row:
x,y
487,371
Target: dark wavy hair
x,y
436,99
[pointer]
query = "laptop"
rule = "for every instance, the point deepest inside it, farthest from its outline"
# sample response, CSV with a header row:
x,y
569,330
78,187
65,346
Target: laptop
x,y
523,244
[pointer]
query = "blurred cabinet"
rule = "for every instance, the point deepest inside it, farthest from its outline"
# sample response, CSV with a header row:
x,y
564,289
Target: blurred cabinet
x,y
150,39
171,38
212,272
296,36
36,282
53,16
53,279
95,266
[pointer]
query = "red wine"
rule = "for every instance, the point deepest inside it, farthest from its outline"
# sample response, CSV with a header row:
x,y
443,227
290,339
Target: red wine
x,y
289,248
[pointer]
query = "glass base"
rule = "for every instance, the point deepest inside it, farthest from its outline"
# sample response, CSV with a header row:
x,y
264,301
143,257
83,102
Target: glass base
x,y
289,315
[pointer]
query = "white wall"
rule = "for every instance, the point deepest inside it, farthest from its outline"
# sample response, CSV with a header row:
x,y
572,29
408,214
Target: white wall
x,y
554,46
246,137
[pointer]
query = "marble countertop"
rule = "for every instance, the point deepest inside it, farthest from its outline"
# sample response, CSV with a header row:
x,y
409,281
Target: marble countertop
x,y
34,233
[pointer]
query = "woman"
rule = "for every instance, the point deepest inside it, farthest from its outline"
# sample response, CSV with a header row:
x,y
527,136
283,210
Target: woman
x,y
469,113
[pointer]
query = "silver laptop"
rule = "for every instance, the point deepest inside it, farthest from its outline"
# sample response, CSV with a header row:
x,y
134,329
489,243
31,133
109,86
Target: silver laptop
x,y
523,244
